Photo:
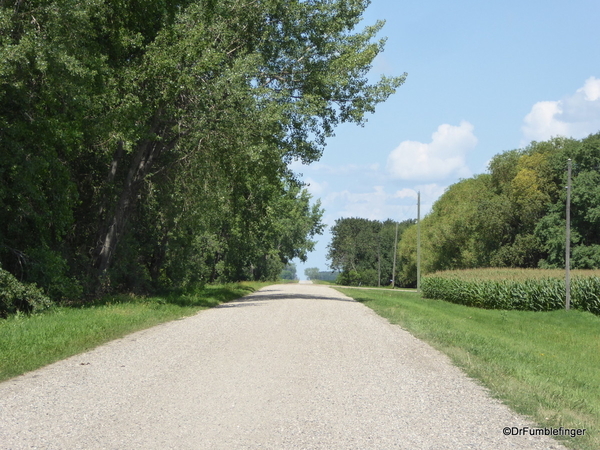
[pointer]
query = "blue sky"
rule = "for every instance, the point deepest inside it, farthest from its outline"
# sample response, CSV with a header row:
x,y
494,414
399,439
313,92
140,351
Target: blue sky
x,y
483,77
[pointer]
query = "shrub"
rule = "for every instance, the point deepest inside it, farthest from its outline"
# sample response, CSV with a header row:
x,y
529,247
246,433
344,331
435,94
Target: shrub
x,y
50,270
368,277
20,297
348,278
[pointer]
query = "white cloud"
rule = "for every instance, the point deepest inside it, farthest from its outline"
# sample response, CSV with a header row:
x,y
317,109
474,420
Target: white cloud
x,y
431,192
315,188
343,170
444,156
369,205
574,116
406,193
381,205
591,89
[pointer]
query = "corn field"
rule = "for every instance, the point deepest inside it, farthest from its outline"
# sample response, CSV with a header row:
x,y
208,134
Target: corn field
x,y
520,289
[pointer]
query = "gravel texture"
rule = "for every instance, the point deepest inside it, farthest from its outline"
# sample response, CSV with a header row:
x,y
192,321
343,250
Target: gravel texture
x,y
288,367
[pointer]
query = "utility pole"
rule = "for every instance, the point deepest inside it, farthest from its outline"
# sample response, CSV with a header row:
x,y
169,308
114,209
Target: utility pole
x,y
378,271
395,250
419,241
378,261
568,241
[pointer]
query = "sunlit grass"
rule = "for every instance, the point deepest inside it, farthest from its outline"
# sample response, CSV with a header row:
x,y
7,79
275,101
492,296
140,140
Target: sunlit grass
x,y
542,364
30,342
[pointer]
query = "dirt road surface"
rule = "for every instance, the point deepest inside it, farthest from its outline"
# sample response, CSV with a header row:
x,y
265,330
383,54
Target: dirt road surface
x,y
288,367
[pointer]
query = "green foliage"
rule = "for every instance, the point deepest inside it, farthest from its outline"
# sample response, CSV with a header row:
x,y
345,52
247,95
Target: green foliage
x,y
51,270
330,276
464,228
289,272
20,297
147,146
514,216
586,256
312,273
349,278
524,251
363,250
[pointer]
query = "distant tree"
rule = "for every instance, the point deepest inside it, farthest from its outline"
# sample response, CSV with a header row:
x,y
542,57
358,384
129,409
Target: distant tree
x,y
451,235
328,276
362,250
585,205
353,244
289,272
312,273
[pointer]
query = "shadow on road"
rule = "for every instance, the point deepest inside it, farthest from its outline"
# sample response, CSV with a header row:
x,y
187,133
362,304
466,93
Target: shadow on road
x,y
273,295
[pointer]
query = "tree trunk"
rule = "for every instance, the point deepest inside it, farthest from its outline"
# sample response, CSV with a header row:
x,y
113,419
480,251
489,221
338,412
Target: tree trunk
x,y
158,258
115,224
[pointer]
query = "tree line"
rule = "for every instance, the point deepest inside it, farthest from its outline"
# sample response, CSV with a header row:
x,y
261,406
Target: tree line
x,y
145,144
363,250
512,216
313,273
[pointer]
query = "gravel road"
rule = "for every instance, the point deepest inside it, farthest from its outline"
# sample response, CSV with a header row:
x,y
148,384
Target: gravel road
x,y
288,367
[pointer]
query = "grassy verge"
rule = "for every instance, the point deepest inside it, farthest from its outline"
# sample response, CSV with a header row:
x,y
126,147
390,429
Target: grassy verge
x,y
30,342
541,364
334,284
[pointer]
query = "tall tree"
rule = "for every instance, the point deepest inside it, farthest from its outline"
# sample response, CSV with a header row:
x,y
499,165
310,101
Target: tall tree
x,y
312,273
231,75
363,250
135,127
515,215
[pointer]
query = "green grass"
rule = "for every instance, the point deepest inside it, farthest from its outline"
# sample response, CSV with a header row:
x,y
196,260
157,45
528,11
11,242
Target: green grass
x,y
30,342
286,281
542,364
334,284
387,288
